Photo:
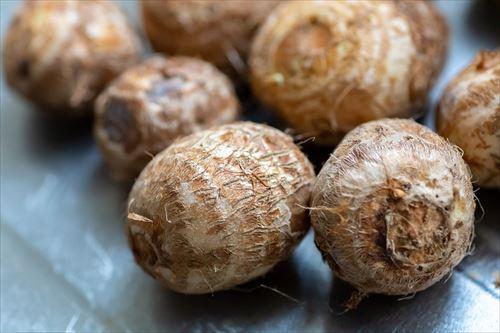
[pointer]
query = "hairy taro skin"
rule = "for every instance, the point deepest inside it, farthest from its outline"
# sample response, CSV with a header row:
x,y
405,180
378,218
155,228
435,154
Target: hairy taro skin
x,y
61,54
328,66
393,208
216,31
153,103
220,207
469,116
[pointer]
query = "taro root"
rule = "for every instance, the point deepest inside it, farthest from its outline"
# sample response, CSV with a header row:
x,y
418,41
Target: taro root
x,y
61,54
153,103
393,208
220,207
328,66
217,31
469,116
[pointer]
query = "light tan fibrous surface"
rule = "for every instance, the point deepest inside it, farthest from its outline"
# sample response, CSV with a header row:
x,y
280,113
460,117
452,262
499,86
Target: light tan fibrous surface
x,y
153,103
469,116
328,66
217,31
393,208
61,54
220,207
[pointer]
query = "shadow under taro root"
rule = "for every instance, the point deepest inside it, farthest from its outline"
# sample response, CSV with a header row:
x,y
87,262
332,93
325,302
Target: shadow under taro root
x,y
254,302
482,20
488,209
383,311
482,265
50,133
255,111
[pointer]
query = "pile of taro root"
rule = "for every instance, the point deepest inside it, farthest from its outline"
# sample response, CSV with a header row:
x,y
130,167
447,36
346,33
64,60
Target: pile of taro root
x,y
217,201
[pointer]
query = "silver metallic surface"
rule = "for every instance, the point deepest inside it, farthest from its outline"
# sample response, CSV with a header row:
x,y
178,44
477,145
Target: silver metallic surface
x,y
65,264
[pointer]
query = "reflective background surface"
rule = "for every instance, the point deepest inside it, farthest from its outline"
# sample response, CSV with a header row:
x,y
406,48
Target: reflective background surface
x,y
65,264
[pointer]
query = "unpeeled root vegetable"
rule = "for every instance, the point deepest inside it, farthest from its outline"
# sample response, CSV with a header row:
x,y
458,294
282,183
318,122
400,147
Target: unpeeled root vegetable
x,y
220,207
150,105
469,116
393,208
61,54
328,66
217,31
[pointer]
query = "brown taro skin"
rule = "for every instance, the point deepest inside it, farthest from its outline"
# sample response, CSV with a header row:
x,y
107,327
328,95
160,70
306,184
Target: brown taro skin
x,y
393,208
220,207
61,54
153,103
469,116
327,66
216,31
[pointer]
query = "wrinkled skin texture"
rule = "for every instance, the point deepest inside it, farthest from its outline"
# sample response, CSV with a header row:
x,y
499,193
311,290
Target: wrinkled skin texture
x,y
393,208
328,66
217,31
220,207
61,54
469,116
151,104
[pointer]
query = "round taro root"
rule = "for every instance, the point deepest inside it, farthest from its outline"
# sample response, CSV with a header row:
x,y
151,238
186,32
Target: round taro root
x,y
61,54
220,207
217,31
328,66
150,105
393,208
469,116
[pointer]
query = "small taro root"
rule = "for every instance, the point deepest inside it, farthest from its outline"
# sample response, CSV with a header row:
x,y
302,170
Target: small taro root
x,y
150,105
61,54
328,66
217,31
393,208
220,207
469,116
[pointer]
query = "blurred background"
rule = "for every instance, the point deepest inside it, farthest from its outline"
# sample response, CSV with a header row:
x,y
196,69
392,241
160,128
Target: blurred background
x,y
66,266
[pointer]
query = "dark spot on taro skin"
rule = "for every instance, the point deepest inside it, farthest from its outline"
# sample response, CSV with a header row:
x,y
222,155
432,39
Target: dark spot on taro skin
x,y
381,237
24,69
212,9
119,124
143,251
170,86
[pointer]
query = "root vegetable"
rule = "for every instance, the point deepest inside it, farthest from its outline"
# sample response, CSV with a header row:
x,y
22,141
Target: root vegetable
x,y
328,66
61,54
217,31
150,105
393,208
220,207
469,116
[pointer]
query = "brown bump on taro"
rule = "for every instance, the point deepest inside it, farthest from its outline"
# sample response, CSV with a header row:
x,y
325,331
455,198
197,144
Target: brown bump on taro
x,y
327,66
226,205
155,102
61,54
393,208
468,114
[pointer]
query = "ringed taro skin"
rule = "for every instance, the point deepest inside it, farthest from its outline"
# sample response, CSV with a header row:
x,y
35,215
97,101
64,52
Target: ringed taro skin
x,y
393,208
153,103
327,66
61,54
469,116
220,207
